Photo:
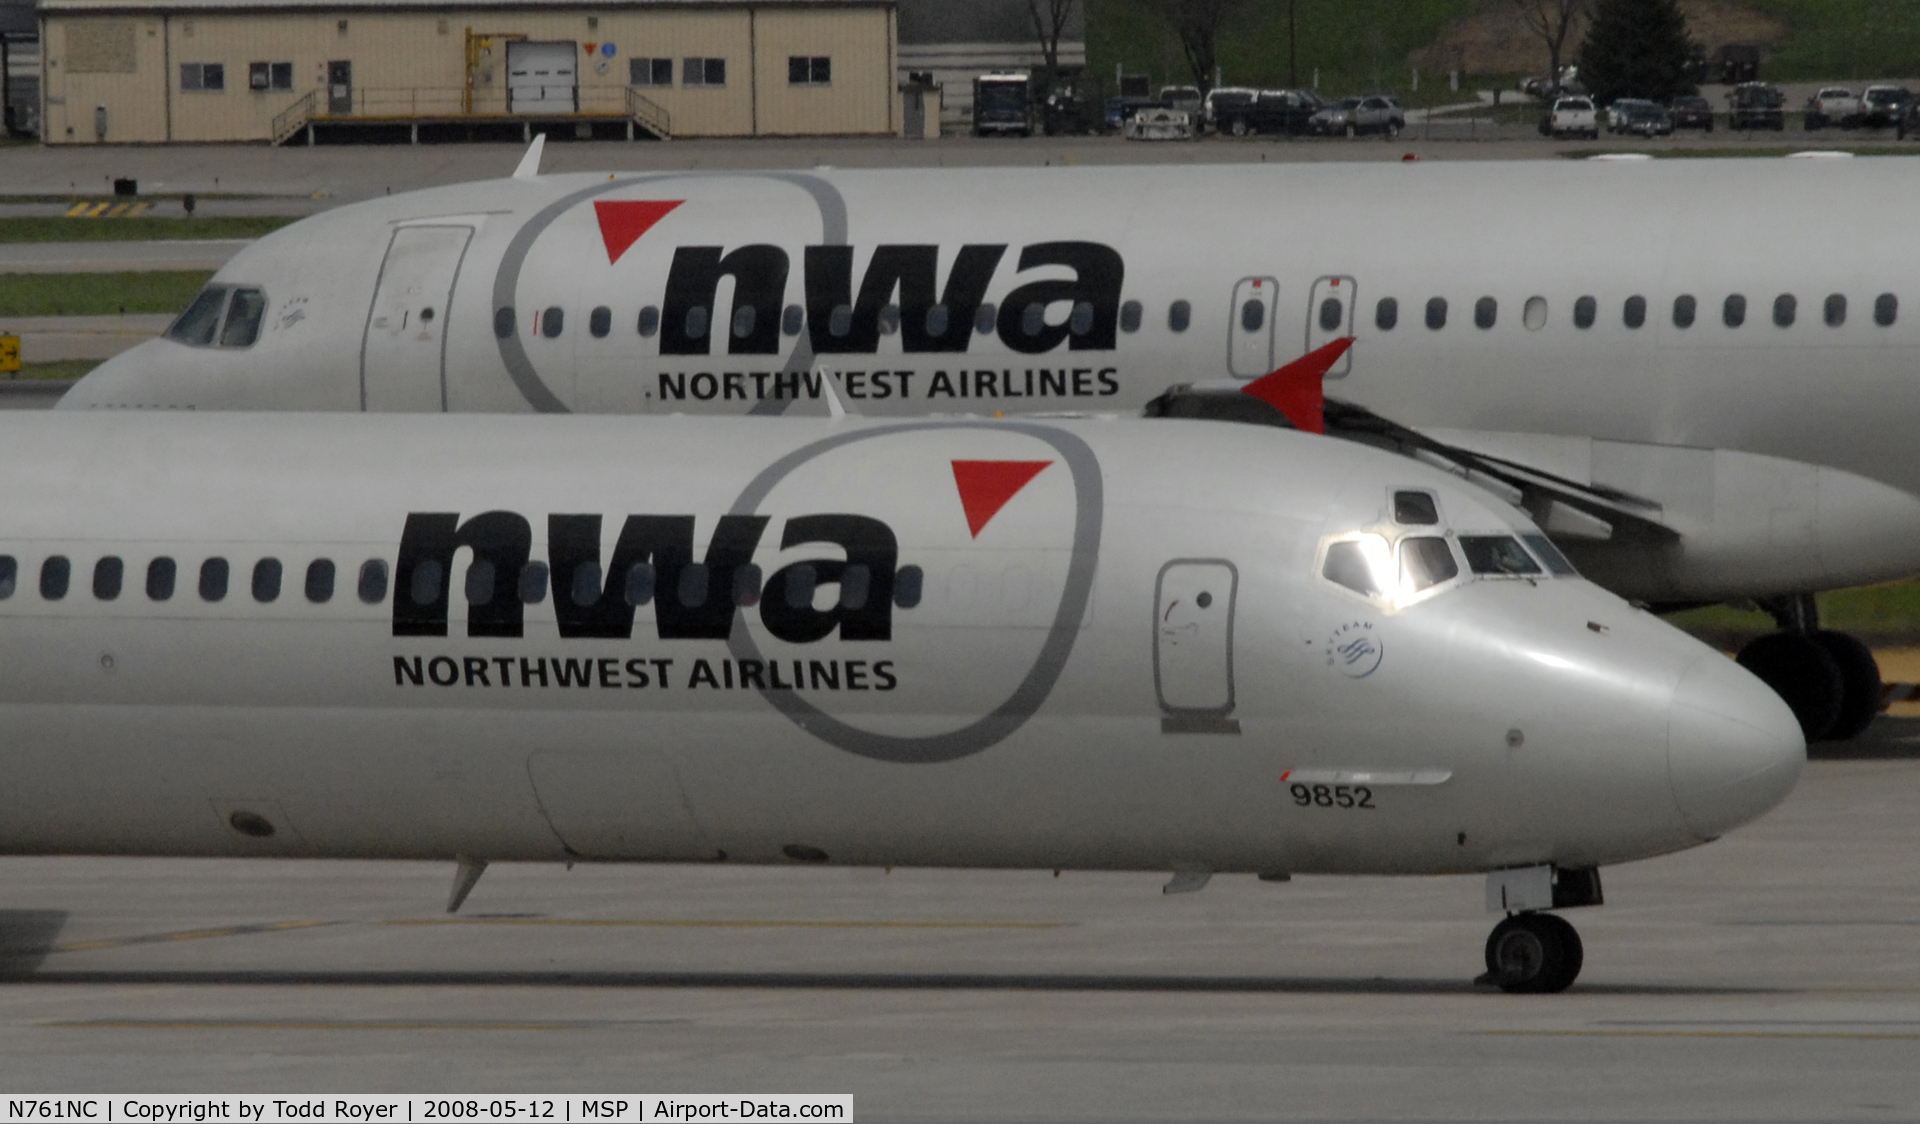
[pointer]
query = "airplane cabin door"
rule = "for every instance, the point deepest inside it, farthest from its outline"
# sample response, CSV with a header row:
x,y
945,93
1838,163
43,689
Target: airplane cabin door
x,y
1330,317
1193,645
404,356
1250,334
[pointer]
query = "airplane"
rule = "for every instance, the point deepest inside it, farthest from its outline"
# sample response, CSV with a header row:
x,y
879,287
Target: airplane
x,y
1094,644
1695,374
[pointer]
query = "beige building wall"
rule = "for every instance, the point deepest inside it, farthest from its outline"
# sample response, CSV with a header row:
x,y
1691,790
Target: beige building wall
x,y
411,63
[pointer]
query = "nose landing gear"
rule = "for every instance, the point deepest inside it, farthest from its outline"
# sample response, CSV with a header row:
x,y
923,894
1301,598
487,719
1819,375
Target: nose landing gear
x,y
1533,953
1829,679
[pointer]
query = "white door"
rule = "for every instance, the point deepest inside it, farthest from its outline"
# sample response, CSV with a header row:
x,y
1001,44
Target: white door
x,y
1330,317
542,77
1193,636
1250,334
617,805
403,359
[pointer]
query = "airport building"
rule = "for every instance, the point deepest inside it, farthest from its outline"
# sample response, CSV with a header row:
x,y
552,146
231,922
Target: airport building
x,y
314,71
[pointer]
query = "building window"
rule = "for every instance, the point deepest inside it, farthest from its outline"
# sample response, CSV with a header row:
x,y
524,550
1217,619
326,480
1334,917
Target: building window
x,y
206,76
809,70
269,76
649,72
703,72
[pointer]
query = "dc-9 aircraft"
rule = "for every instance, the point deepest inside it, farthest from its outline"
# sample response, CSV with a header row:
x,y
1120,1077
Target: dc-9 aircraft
x,y
1696,375
1123,644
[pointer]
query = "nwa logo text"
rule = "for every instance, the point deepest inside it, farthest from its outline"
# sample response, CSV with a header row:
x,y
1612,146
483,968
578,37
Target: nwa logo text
x,y
842,319
652,565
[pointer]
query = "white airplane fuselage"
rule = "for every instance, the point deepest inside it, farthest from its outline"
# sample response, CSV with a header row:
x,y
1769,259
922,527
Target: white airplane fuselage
x,y
1015,643
1777,451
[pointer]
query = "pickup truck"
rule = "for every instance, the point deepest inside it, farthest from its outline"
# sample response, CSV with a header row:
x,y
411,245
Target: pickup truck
x,y
1571,117
1238,112
1881,106
1833,105
1756,105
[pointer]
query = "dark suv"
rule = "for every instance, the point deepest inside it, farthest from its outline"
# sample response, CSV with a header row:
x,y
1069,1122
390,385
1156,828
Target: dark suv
x,y
1692,113
1756,105
1240,112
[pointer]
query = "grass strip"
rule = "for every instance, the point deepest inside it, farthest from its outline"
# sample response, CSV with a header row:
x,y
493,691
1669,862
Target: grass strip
x,y
98,294
59,369
143,229
1878,614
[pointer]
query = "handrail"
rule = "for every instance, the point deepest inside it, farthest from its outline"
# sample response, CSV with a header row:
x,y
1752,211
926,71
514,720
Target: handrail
x,y
294,117
451,102
649,113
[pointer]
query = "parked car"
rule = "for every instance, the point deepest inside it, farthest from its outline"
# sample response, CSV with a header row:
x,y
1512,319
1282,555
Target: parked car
x,y
1881,106
1618,111
1756,105
1543,86
1216,108
1647,119
1833,105
1691,112
1158,123
1571,117
1375,113
1241,112
1186,99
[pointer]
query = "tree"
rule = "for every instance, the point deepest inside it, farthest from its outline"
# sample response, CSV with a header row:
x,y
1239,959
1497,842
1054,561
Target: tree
x,y
1552,21
1050,22
1198,24
1636,48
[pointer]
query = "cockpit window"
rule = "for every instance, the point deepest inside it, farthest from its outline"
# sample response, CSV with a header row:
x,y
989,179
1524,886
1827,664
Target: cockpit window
x,y
1497,554
196,325
1415,509
1360,564
1425,562
1545,551
243,318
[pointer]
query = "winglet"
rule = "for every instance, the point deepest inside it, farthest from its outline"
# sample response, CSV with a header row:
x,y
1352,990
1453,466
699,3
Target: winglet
x,y
530,163
1296,389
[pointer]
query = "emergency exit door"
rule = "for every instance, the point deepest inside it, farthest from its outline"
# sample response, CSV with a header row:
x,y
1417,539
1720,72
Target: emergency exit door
x,y
543,77
1330,317
1193,642
1250,335
404,356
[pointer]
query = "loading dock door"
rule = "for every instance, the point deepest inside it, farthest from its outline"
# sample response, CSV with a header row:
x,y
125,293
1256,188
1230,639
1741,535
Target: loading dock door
x,y
403,359
1193,636
543,77
340,87
1250,333
1330,317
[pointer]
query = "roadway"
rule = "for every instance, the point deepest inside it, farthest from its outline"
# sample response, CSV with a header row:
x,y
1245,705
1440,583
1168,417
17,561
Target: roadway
x,y
1773,975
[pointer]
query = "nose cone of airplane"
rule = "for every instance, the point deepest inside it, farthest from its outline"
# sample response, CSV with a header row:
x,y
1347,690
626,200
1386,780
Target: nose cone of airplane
x,y
1734,750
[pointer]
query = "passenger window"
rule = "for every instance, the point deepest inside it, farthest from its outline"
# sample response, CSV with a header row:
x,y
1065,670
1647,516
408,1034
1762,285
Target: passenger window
x,y
425,586
889,319
1253,315
793,318
600,322
243,318
746,585
1634,313
1534,313
1886,306
1437,313
1425,563
266,580
586,584
55,573
161,573
1179,315
1784,307
552,322
1545,551
639,583
840,320
479,584
503,319
1415,509
1347,564
1129,317
801,582
372,587
1584,311
983,319
1386,314
9,575
1733,311
1082,321
1836,309
195,326
744,319
533,583
907,583
107,575
1033,319
649,322
855,581
695,324
1332,312
1484,311
694,580
213,579
1497,554
319,588
1684,310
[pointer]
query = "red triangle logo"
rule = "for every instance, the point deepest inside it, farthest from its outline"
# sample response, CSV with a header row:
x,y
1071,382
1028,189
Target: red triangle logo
x,y
622,222
1298,390
986,486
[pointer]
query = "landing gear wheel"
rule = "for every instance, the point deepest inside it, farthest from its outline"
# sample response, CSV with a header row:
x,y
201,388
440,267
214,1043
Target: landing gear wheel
x,y
1859,684
1533,953
1804,676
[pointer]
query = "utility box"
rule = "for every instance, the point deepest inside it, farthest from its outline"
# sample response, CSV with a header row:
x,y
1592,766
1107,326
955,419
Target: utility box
x,y
9,355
